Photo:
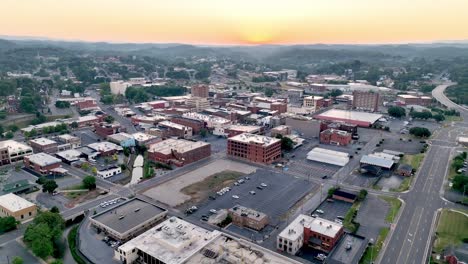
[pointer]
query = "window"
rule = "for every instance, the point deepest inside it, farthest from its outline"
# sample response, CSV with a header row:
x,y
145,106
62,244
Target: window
x,y
30,213
22,216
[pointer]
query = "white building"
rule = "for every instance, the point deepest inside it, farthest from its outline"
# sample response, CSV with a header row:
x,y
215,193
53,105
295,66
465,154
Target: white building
x,y
20,208
109,172
12,151
119,87
328,156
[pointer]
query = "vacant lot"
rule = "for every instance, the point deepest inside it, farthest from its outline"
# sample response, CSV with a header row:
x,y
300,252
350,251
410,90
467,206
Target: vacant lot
x,y
201,190
451,230
413,160
171,192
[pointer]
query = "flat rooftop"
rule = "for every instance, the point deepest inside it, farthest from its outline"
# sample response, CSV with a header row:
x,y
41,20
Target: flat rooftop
x,y
180,145
14,146
104,146
139,136
43,159
134,212
256,139
42,141
341,255
349,115
248,212
173,125
246,129
172,241
71,154
296,228
13,202
227,249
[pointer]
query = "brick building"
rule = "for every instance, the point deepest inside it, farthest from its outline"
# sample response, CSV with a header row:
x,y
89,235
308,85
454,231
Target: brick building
x,y
234,130
196,125
86,104
335,137
254,148
12,151
243,216
367,101
279,106
172,129
17,207
281,130
200,90
104,129
43,145
42,163
178,151
408,99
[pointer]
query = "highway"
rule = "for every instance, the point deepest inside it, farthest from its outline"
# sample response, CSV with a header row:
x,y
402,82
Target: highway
x,y
410,241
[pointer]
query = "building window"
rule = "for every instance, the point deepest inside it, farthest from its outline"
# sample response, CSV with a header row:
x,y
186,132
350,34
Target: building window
x,y
22,216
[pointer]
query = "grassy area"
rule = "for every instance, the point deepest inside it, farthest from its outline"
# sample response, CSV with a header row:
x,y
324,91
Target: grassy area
x,y
348,221
202,189
404,185
453,118
413,160
451,230
373,251
452,173
395,205
72,245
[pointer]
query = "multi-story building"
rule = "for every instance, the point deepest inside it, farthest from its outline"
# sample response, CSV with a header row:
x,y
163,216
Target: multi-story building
x,y
178,151
367,101
122,139
254,148
86,121
335,137
306,126
151,119
43,145
243,216
234,130
43,163
197,103
318,233
200,90
144,139
17,207
75,142
281,130
105,129
86,104
408,99
279,106
12,151
315,102
195,124
119,87
105,148
175,130
295,96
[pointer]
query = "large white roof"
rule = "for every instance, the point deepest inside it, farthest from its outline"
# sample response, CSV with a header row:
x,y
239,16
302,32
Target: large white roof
x,y
43,159
257,139
14,146
322,226
328,156
14,203
180,145
351,115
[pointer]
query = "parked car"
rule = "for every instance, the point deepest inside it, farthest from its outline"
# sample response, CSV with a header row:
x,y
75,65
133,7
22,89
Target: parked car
x,y
263,184
324,176
252,192
320,211
260,187
235,197
213,211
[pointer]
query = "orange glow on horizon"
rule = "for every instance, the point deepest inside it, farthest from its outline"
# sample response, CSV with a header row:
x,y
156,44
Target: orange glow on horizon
x,y
244,22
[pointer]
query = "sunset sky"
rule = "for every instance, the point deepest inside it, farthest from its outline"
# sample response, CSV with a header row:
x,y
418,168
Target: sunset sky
x,y
238,21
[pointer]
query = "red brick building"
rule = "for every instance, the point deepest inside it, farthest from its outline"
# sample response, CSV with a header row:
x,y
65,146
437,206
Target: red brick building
x,y
196,125
243,216
88,103
178,151
254,148
322,234
104,129
200,90
407,99
335,137
42,163
43,145
280,107
367,101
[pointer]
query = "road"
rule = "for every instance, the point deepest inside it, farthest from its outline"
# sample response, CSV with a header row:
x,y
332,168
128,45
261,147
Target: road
x,y
411,239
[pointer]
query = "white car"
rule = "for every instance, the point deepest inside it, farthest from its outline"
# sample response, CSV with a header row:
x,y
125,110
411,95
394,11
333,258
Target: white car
x,y
235,197
213,211
320,211
263,184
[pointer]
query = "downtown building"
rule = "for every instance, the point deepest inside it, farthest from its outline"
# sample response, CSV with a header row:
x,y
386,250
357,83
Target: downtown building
x,y
366,101
254,148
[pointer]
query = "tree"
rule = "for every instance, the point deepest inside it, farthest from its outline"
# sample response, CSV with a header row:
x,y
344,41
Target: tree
x,y
85,166
332,191
361,195
89,182
438,117
38,237
54,209
203,132
7,223
268,92
396,111
17,260
460,183
94,170
420,132
335,92
126,151
287,144
49,186
13,128
109,119
9,135
74,124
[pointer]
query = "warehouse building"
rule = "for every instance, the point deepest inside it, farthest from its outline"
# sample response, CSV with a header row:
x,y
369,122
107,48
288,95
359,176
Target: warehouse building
x,y
254,148
128,219
335,137
43,164
361,119
328,156
43,145
20,208
178,151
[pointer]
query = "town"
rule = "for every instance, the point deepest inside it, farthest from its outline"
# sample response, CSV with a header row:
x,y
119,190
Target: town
x,y
123,159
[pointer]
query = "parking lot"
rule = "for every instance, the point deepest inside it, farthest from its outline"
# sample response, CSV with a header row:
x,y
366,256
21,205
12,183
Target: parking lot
x,y
280,194
332,210
313,169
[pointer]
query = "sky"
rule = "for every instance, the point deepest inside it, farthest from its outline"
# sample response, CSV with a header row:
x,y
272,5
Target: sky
x,y
238,21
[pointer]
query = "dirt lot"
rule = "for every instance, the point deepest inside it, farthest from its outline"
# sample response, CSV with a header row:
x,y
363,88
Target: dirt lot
x,y
171,192
201,190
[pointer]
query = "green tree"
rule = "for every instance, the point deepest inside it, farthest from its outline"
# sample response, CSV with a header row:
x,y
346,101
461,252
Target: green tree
x,y
49,186
39,238
85,166
420,132
94,170
9,135
287,144
396,111
438,117
7,223
362,195
335,93
74,124
203,132
460,183
13,128
109,119
17,260
268,92
89,182
54,209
